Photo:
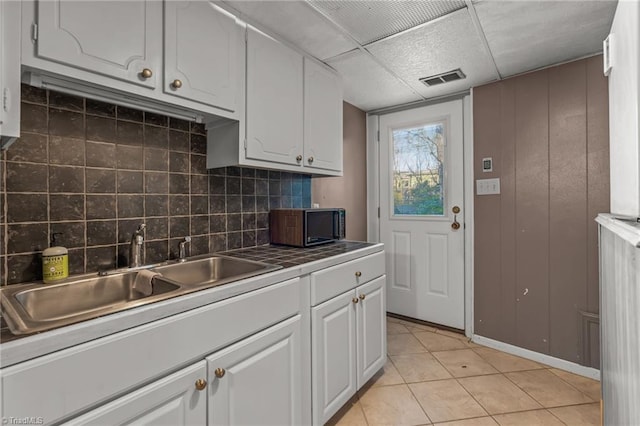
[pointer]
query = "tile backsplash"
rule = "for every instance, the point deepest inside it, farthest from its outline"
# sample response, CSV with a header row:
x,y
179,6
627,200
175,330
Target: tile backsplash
x,y
94,171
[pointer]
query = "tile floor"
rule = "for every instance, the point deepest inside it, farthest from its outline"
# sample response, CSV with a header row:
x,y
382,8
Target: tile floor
x,y
437,377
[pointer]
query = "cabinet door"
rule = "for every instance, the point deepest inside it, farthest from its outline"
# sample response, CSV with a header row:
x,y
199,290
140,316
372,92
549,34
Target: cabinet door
x,y
114,38
371,329
172,401
258,380
203,46
274,100
322,118
333,349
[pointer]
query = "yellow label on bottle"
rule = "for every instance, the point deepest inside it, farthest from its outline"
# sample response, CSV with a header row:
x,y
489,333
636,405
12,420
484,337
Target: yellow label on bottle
x,y
55,267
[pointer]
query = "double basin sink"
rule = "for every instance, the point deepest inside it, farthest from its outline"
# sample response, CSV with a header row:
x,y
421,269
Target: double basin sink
x,y
31,308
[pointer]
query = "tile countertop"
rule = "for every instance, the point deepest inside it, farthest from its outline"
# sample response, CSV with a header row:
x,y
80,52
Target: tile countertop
x,y
295,262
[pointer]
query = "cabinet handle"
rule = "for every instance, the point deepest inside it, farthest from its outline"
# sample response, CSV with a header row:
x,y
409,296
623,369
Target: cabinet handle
x,y
220,372
176,84
299,158
358,274
201,384
310,160
146,73
363,296
354,300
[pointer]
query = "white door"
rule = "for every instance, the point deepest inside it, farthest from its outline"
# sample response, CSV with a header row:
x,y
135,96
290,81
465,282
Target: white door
x,y
371,329
333,344
203,49
422,212
322,117
118,39
174,400
274,100
258,380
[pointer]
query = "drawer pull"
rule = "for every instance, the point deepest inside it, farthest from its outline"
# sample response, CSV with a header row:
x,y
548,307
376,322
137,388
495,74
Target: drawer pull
x,y
358,274
220,372
299,158
362,296
201,384
354,300
146,73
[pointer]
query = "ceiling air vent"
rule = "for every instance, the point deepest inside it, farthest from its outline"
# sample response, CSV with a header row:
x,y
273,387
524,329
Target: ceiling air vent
x,y
445,77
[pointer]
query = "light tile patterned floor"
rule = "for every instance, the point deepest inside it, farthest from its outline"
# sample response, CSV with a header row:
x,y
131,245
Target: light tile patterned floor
x,y
437,377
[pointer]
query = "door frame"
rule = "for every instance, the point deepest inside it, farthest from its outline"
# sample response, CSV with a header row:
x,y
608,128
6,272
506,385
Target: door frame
x,y
373,190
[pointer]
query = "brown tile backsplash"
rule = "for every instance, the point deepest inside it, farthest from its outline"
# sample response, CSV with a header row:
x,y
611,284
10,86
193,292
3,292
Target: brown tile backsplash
x,y
94,171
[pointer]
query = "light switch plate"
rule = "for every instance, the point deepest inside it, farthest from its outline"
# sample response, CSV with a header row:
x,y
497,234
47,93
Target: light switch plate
x,y
487,186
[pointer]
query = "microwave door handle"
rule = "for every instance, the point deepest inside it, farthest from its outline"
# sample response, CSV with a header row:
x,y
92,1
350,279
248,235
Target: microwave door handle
x,y
336,225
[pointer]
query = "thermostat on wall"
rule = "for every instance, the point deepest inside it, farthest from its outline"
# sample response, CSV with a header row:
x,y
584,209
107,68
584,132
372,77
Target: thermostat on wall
x,y
487,164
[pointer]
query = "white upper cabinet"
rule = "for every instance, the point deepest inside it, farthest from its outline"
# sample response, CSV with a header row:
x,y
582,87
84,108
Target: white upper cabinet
x,y
322,117
203,45
9,72
274,101
118,39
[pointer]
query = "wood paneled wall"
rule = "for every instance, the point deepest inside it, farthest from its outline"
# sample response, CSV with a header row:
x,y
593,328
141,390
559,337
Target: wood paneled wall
x,y
536,259
349,190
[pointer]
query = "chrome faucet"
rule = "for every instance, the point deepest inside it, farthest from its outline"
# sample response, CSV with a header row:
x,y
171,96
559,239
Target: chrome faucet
x,y
182,248
136,247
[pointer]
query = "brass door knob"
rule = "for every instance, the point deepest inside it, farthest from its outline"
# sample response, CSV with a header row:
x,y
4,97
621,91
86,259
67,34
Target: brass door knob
x,y
201,384
220,372
455,209
455,225
146,73
363,296
299,158
176,84
354,300
310,160
358,274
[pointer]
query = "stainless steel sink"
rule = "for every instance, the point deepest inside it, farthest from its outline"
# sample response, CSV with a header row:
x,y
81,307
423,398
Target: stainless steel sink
x,y
38,307
30,308
212,271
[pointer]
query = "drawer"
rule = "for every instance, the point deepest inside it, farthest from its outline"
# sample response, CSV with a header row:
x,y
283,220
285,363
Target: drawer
x,y
61,384
337,279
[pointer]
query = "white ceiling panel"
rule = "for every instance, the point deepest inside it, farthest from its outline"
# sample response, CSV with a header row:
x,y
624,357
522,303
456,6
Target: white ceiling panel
x,y
526,35
440,46
368,21
298,23
369,86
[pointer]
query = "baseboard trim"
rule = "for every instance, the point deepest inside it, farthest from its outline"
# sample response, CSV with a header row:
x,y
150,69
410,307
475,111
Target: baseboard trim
x,y
562,364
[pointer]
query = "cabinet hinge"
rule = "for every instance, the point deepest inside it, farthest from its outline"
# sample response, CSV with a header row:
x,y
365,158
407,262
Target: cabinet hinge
x,y
378,212
245,145
378,136
34,32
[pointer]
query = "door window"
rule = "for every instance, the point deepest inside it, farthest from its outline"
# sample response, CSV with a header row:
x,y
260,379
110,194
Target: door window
x,y
418,162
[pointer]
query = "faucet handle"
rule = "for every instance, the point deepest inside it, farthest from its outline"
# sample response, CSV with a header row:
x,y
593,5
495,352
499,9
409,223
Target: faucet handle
x,y
141,227
187,239
182,255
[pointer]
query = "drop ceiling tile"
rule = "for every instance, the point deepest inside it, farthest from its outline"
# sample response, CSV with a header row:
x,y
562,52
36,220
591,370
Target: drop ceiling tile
x,y
369,21
526,35
440,46
369,86
298,23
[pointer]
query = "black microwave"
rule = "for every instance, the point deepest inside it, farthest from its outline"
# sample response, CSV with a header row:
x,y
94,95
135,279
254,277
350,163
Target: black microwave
x,y
306,227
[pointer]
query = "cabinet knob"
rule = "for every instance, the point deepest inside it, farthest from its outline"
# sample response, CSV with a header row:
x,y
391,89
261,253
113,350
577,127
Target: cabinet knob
x,y
220,372
176,84
310,160
299,158
201,384
358,274
146,73
354,300
363,296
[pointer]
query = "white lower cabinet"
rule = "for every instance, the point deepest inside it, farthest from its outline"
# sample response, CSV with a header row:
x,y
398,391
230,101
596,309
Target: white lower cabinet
x,y
176,400
348,346
258,380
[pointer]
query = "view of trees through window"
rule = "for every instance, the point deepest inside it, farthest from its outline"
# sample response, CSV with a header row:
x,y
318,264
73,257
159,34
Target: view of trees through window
x,y
418,170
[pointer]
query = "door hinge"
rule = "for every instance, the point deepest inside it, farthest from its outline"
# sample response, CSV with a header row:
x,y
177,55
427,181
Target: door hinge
x,y
378,211
34,32
378,135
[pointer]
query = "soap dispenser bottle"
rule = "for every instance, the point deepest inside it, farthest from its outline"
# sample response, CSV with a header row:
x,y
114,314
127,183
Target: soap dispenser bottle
x,y
55,261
